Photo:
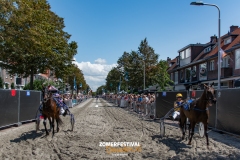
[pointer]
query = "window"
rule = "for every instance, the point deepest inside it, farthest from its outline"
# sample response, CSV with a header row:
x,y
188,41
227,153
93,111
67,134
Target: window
x,y
237,59
177,60
185,54
211,65
176,77
182,55
172,76
203,71
227,41
225,62
193,71
187,74
188,52
208,49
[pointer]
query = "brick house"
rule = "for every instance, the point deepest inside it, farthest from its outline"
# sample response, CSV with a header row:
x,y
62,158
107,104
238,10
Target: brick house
x,y
197,63
19,82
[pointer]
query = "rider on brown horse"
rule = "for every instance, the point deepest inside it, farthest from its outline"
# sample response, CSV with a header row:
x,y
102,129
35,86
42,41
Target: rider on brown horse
x,y
59,101
178,102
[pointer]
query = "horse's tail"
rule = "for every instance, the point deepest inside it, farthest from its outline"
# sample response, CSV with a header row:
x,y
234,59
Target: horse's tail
x,y
59,120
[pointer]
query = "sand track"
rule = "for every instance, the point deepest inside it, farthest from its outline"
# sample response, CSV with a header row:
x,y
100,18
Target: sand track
x,y
108,123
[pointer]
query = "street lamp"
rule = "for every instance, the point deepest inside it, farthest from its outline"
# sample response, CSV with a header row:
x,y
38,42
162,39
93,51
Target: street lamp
x,y
219,39
143,71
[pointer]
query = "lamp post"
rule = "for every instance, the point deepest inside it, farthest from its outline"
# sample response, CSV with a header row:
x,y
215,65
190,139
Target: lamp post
x,y
143,74
219,39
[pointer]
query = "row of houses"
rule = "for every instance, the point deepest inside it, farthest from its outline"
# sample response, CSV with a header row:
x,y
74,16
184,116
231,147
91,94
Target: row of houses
x,y
198,63
19,82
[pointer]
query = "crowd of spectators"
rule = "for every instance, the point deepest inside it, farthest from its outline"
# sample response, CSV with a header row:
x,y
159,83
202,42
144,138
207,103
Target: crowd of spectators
x,y
142,104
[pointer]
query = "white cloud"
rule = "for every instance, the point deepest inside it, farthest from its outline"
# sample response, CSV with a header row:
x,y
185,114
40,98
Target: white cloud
x,y
100,61
95,73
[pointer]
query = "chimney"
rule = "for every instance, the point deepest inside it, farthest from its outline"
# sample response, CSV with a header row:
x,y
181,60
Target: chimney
x,y
168,59
232,28
213,39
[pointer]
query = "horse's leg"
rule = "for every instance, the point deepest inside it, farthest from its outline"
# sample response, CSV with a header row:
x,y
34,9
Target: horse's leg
x,y
192,124
50,123
206,133
44,123
53,118
189,127
57,121
182,127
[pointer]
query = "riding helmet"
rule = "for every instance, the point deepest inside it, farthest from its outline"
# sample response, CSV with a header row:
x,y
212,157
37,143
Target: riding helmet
x,y
179,95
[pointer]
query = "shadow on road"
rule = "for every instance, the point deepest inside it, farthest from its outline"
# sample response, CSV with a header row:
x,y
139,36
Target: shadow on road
x,y
32,135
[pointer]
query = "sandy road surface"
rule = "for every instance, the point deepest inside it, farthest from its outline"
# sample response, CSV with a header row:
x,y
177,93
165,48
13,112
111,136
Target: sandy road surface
x,y
107,123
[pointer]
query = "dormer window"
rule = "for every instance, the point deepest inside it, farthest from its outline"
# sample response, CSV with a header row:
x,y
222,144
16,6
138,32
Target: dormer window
x,y
227,40
177,60
208,49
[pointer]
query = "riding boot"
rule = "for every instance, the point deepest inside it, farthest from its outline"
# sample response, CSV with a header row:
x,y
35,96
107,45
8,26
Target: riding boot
x,y
65,113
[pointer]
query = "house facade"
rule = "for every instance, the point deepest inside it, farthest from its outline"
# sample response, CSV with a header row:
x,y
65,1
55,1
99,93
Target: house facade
x,y
20,82
197,63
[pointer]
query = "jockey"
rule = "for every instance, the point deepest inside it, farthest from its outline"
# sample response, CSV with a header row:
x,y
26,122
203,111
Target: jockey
x,y
57,98
178,102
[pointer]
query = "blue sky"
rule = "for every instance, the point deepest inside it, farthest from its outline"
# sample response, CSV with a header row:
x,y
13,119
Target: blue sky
x,y
104,29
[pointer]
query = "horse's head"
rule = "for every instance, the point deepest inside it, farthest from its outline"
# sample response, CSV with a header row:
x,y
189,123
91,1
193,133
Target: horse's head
x,y
46,94
210,94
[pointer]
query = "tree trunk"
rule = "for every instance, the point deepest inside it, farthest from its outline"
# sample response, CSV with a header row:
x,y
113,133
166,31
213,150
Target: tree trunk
x,y
31,79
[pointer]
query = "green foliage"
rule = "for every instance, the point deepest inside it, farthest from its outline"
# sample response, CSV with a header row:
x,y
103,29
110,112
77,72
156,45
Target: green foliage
x,y
135,63
1,82
32,39
101,89
6,86
37,84
12,86
163,78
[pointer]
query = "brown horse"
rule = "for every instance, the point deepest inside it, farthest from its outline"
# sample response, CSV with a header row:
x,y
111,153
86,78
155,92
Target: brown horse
x,y
198,112
50,111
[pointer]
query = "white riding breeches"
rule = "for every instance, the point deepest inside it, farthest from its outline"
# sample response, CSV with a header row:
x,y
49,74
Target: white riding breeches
x,y
175,114
62,110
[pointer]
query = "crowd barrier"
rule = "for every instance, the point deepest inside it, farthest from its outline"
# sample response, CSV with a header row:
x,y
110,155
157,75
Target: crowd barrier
x,y
19,106
147,110
223,116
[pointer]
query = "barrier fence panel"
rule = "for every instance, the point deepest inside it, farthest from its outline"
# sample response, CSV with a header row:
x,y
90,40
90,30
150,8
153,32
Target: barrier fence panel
x,y
165,101
228,115
29,104
8,107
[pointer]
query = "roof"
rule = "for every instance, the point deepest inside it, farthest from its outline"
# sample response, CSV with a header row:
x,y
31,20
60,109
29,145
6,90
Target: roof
x,y
198,44
235,42
174,61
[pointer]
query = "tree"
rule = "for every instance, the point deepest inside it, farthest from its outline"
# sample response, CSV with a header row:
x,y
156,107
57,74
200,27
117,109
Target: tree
x,y
100,89
163,78
75,72
12,86
32,39
37,84
1,82
113,79
133,63
150,59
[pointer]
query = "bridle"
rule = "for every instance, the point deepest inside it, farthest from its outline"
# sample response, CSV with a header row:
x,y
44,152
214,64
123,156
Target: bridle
x,y
210,98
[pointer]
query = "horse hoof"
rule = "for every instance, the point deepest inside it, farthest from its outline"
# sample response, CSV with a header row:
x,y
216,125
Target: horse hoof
x,y
189,143
57,129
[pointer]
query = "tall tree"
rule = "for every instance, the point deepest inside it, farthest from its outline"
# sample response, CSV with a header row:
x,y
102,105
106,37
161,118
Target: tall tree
x,y
113,79
150,59
162,76
32,39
